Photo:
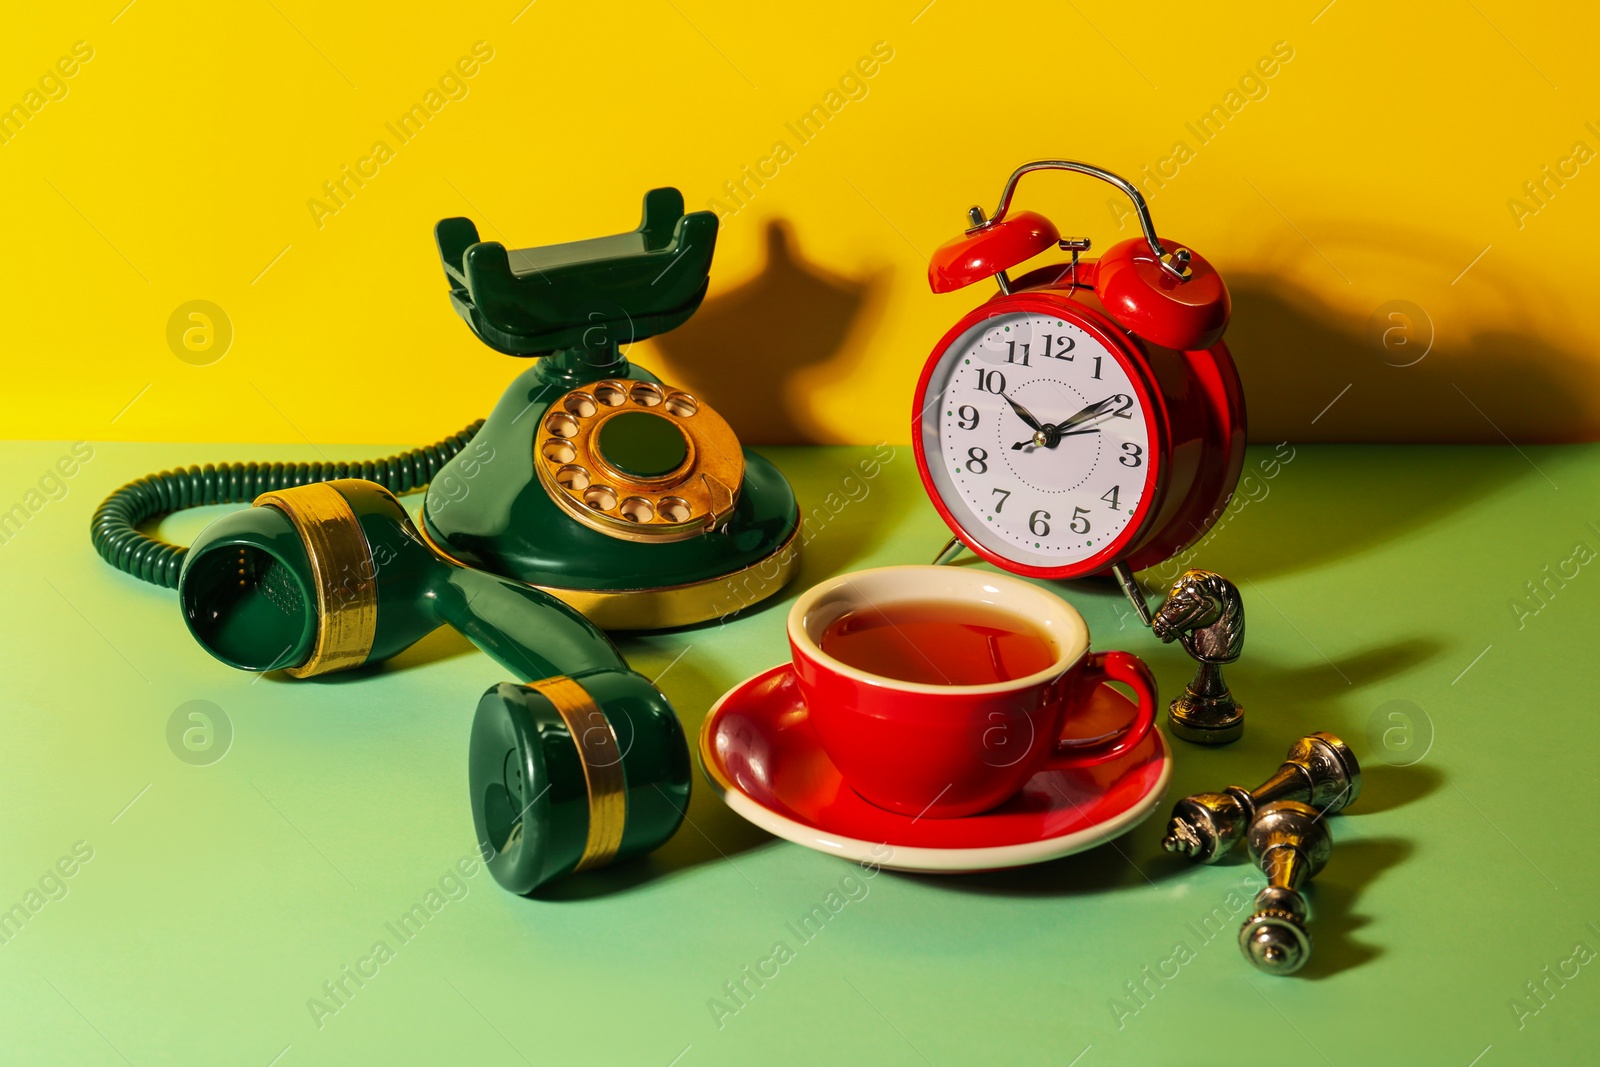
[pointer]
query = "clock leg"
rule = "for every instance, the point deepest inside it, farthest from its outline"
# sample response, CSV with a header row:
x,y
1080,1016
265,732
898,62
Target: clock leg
x,y
951,549
1131,590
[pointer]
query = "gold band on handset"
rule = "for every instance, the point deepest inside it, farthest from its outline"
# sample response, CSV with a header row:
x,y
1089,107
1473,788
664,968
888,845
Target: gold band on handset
x,y
639,461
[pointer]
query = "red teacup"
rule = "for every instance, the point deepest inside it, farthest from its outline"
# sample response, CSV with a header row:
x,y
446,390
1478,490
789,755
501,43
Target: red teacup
x,y
941,751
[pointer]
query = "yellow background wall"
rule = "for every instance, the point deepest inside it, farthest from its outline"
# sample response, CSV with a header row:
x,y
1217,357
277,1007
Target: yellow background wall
x,y
1377,165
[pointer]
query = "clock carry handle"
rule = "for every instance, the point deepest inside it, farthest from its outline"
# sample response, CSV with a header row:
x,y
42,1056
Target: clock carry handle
x,y
1092,171
1174,299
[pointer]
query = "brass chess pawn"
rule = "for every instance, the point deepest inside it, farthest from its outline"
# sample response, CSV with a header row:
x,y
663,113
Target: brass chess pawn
x,y
1320,771
1289,841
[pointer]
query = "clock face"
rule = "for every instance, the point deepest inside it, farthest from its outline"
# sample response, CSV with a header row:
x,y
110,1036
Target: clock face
x,y
1037,440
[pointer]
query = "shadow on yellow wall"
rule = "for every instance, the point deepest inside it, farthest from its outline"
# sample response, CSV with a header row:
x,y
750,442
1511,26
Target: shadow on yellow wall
x,y
1475,359
752,351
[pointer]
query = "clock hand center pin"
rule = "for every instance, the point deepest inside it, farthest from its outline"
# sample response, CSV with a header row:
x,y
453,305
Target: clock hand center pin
x,y
1048,436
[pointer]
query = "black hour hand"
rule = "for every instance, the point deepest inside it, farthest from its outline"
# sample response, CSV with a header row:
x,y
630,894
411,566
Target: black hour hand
x,y
1023,413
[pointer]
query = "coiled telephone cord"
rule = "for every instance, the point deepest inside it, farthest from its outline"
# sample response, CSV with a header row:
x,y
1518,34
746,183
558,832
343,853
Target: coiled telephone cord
x,y
115,526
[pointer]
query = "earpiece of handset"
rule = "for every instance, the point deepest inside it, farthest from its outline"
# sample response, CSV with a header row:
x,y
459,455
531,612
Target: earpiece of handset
x,y
572,773
333,575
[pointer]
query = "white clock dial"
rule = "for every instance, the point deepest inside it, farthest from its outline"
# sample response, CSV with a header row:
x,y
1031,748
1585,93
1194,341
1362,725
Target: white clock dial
x,y
1046,497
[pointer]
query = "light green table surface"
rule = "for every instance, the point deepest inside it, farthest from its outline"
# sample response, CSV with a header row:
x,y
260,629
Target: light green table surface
x,y
219,899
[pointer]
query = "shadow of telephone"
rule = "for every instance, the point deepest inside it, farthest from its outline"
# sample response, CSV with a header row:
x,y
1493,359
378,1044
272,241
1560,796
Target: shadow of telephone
x,y
593,497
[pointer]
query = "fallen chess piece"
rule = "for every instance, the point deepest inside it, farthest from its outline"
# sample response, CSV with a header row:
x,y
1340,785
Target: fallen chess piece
x,y
1289,841
1320,771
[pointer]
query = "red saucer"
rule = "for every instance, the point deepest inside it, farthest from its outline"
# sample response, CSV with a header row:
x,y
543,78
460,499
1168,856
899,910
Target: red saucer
x,y
759,750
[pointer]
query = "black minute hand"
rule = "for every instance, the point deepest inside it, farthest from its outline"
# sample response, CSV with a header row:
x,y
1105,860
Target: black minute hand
x,y
1093,411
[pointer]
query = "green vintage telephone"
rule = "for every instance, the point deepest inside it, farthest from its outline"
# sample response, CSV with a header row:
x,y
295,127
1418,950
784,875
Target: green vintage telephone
x,y
593,497
630,500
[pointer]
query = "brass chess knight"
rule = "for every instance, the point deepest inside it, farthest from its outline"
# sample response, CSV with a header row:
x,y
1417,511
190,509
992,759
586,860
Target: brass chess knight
x,y
1205,613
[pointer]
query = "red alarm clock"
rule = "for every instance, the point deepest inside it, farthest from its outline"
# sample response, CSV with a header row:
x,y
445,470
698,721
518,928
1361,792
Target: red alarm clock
x,y
1088,416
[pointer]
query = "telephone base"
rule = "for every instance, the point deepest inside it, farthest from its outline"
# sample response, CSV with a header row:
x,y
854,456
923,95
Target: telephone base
x,y
489,510
673,606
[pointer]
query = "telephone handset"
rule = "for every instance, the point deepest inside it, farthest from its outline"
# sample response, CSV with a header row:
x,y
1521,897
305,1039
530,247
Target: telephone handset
x,y
333,575
583,765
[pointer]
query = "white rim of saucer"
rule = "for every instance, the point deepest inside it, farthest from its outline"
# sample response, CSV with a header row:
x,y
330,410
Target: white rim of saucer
x,y
922,859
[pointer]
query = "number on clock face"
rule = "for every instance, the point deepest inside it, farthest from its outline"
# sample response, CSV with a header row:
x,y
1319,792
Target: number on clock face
x,y
1045,496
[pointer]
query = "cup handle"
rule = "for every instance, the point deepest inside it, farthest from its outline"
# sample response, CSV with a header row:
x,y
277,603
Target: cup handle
x,y
1098,668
